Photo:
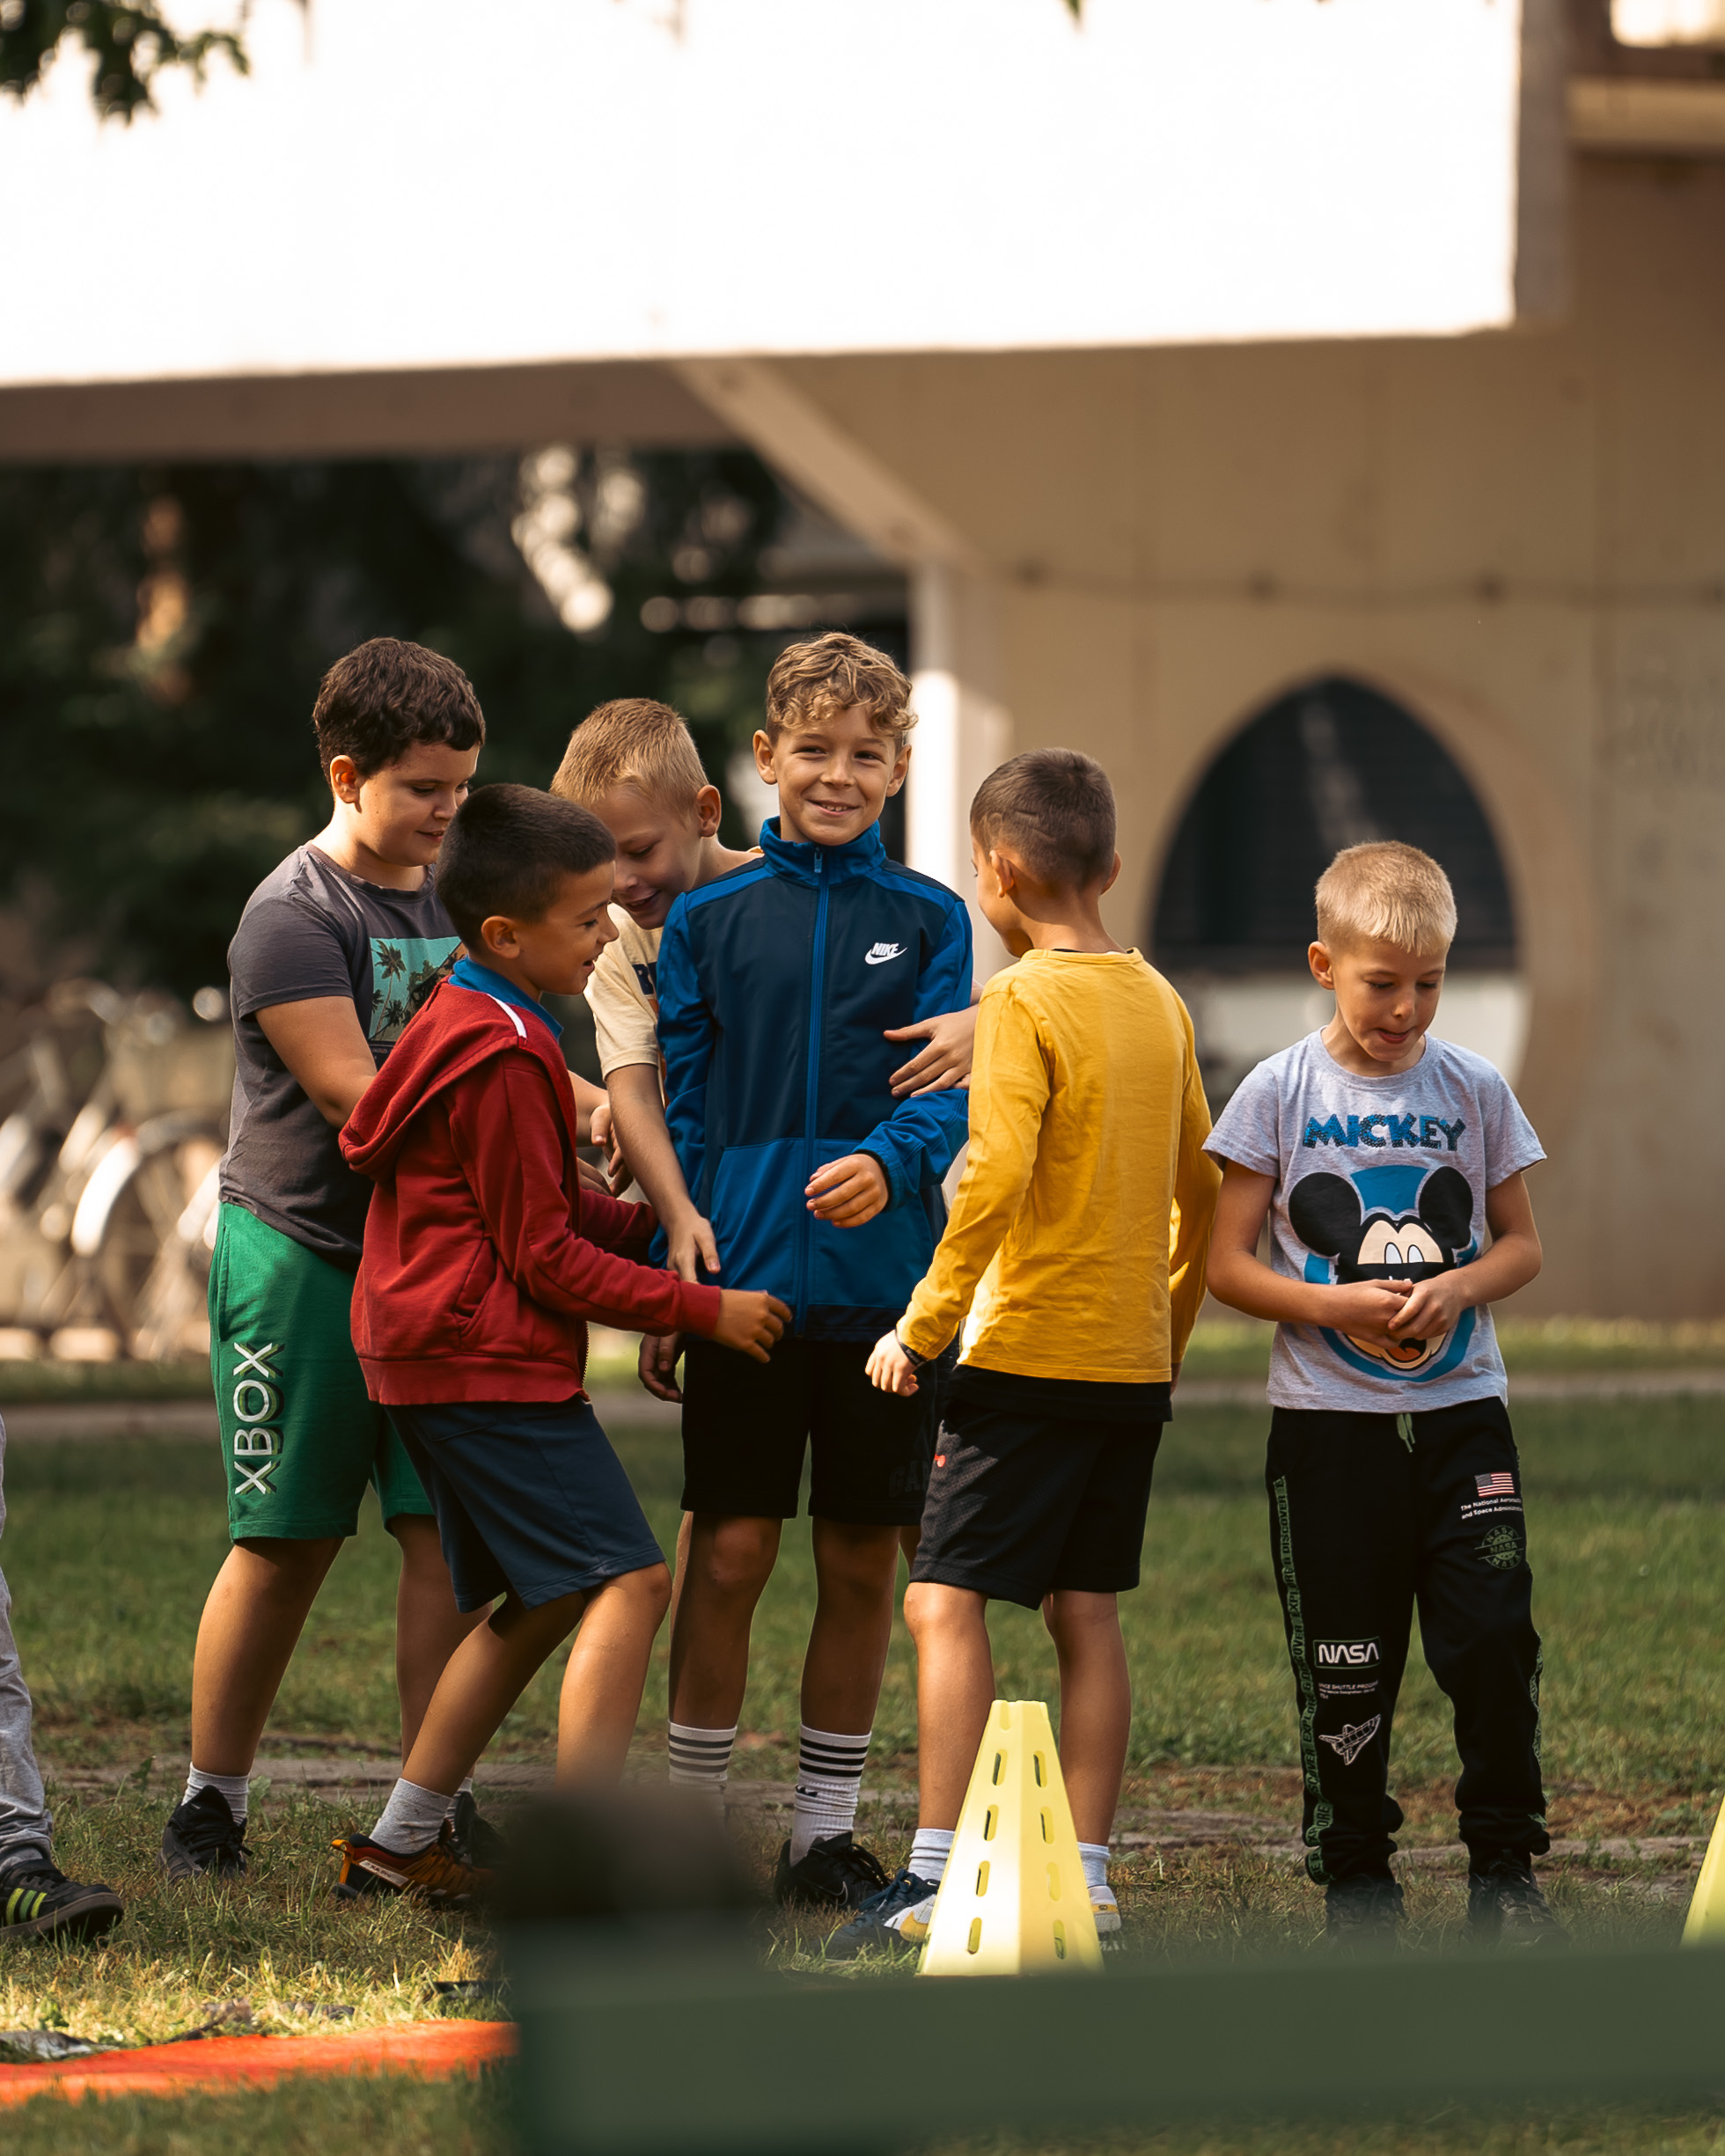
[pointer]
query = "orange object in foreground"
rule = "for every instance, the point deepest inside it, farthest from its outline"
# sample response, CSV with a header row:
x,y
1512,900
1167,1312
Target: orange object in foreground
x,y
436,2050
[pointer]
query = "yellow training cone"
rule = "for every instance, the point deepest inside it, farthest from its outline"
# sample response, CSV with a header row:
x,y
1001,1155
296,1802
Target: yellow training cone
x,y
1705,1924
1013,1898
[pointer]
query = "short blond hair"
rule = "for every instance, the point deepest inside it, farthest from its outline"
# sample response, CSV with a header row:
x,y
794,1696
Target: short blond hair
x,y
1386,892
811,681
634,742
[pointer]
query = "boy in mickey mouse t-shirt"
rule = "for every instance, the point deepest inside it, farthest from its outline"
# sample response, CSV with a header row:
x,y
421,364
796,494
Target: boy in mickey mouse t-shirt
x,y
1382,1156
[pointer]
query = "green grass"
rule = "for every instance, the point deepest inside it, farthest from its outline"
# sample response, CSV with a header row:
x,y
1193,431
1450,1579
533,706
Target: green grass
x,y
33,1381
110,1547
1240,1346
465,2118
1221,1347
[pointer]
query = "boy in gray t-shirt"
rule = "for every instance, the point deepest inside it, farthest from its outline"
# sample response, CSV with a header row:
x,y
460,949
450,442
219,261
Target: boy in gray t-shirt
x,y
1381,1157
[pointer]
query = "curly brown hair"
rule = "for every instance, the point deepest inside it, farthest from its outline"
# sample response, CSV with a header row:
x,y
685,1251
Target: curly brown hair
x,y
812,681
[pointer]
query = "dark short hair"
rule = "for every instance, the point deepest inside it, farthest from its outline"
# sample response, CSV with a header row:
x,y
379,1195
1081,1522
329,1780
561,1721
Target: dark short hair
x,y
1055,809
506,851
381,698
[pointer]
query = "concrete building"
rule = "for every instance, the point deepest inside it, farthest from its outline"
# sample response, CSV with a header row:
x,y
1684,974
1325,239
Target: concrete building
x,y
1492,545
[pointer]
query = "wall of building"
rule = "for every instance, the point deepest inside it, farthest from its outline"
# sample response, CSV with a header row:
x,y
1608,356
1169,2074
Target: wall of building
x,y
1522,539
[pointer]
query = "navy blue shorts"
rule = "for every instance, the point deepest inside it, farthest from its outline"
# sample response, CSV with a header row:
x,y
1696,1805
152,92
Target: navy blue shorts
x,y
529,1496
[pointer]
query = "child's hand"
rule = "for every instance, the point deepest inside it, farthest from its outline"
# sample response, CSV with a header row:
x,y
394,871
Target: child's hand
x,y
945,1061
616,1162
751,1321
657,1366
1432,1310
1365,1309
848,1192
592,1179
692,1243
889,1369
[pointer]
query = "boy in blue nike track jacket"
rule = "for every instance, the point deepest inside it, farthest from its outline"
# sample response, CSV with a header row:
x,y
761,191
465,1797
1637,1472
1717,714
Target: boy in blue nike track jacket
x,y
776,985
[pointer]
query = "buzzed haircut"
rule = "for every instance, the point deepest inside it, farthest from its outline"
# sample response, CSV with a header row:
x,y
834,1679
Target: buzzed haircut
x,y
812,682
1386,892
506,851
385,696
1055,809
632,741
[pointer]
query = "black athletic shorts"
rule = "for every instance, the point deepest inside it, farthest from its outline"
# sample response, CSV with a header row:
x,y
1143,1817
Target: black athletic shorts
x,y
746,1426
1040,1482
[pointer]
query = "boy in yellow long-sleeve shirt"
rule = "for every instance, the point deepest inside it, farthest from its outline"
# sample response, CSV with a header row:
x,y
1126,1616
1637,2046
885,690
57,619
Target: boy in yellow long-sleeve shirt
x,y
1080,1228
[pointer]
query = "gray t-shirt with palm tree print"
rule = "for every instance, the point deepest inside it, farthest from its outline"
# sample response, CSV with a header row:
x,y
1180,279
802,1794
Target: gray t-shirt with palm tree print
x,y
310,929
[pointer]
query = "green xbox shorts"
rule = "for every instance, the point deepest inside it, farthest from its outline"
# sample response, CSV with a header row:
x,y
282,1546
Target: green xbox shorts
x,y
300,1435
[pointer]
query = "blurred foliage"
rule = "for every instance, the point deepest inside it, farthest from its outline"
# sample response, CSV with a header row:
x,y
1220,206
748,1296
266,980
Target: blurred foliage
x,y
163,632
128,44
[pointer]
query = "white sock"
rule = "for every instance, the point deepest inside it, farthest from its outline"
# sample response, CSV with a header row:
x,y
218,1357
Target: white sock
x,y
465,1789
412,1820
829,1774
232,1787
928,1854
700,1759
1095,1857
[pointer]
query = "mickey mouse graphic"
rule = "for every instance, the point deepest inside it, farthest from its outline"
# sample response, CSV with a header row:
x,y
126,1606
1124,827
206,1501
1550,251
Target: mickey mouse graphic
x,y
1399,1222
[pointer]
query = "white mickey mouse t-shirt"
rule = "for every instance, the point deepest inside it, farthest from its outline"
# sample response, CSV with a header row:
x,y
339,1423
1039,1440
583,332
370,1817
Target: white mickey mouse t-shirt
x,y
1378,1179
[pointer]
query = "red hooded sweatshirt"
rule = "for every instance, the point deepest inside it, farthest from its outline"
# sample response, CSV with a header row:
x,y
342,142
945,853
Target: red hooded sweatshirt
x,y
484,1257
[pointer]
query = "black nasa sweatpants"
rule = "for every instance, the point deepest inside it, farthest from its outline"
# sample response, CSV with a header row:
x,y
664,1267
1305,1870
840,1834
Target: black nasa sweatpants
x,y
1370,1515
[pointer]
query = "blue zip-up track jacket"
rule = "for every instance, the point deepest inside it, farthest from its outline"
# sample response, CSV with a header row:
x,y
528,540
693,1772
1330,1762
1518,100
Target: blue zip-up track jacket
x,y
777,984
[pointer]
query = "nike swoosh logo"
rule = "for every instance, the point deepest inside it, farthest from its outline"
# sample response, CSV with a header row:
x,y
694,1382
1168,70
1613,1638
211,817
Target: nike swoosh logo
x,y
880,954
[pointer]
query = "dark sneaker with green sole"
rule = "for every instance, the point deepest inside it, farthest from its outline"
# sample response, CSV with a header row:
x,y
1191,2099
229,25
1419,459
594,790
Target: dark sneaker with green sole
x,y
203,1836
1505,1908
39,1902
1363,1915
896,1918
835,1873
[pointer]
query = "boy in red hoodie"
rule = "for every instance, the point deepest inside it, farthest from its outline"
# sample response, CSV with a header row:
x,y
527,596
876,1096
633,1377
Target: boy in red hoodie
x,y
483,1259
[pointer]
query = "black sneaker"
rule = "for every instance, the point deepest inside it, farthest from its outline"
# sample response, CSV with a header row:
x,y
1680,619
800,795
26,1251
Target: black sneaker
x,y
1505,1907
202,1836
888,1921
477,1842
835,1873
36,1901
1363,1914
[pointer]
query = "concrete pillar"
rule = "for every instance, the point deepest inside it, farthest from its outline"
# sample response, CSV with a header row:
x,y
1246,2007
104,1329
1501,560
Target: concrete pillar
x,y
962,729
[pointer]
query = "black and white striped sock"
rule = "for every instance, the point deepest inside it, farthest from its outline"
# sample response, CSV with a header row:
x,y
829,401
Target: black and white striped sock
x,y
829,1774
700,1759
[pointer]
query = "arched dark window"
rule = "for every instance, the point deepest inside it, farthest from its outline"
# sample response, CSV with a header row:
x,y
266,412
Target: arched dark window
x,y
1331,765
1328,766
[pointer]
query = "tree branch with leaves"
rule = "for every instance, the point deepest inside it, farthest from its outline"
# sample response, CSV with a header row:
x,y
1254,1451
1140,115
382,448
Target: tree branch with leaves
x,y
129,46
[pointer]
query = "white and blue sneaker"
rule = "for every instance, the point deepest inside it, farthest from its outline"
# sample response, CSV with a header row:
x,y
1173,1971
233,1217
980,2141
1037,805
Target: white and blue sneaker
x,y
888,1922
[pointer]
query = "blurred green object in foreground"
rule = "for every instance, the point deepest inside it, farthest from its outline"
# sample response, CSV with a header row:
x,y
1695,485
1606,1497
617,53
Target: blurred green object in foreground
x,y
629,2051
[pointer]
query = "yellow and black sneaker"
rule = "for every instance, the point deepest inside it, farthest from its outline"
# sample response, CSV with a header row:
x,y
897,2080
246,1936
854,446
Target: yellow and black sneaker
x,y
39,1902
435,1876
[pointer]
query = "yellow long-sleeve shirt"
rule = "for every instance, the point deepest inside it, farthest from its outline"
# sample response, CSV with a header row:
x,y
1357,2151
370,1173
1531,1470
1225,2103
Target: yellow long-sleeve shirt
x,y
1083,1217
